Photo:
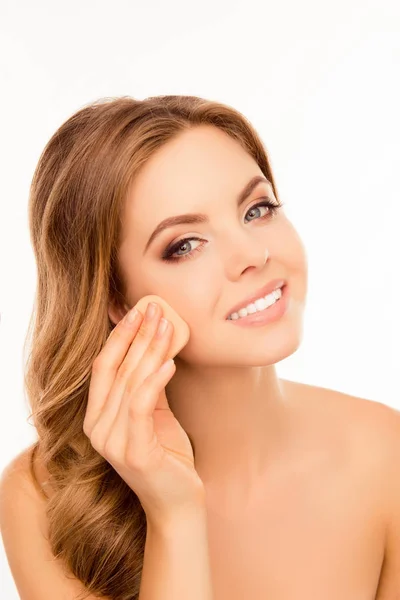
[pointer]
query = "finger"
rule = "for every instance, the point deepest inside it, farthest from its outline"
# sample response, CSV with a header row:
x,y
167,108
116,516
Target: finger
x,y
105,367
134,433
137,351
115,414
149,351
132,358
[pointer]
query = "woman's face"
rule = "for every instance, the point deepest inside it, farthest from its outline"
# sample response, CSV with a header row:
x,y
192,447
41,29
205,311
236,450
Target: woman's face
x,y
203,171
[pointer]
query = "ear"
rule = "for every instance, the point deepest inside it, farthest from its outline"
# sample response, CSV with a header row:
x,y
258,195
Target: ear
x,y
116,311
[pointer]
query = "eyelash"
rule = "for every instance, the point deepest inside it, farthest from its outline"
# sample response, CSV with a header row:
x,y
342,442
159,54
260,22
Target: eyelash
x,y
169,251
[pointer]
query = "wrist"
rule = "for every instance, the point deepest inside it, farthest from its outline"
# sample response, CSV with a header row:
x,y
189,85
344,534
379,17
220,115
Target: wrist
x,y
192,514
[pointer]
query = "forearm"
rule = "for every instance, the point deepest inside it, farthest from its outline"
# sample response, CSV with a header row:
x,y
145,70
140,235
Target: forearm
x,y
176,560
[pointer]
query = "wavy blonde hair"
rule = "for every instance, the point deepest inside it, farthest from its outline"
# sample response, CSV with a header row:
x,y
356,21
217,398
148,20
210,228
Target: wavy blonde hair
x,y
97,526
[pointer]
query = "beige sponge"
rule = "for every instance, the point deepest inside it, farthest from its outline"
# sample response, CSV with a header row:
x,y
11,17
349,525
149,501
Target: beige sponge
x,y
181,331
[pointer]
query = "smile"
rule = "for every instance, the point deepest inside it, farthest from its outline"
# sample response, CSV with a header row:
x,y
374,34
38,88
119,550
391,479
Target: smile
x,y
257,306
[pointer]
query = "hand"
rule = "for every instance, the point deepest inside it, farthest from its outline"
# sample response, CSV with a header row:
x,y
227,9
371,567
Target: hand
x,y
129,422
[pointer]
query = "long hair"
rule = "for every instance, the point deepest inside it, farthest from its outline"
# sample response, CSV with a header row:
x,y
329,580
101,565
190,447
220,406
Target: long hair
x,y
96,524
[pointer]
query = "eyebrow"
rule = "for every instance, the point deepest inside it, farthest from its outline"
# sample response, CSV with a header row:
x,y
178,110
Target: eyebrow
x,y
190,218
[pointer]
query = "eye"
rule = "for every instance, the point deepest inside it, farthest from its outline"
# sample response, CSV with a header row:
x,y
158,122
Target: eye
x,y
170,250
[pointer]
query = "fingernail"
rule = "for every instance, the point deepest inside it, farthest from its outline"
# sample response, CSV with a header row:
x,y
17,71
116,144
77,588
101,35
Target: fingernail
x,y
131,316
151,310
162,326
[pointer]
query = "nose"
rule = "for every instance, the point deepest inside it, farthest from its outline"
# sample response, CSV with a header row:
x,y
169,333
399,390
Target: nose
x,y
246,253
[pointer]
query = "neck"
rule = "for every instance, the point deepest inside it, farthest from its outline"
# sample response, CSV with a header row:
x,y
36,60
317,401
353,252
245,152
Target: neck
x,y
236,419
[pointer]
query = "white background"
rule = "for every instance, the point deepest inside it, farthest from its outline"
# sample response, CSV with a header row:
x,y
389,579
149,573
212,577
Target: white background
x,y
319,81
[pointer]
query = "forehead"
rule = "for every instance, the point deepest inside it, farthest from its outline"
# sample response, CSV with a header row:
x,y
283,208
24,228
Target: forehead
x,y
199,162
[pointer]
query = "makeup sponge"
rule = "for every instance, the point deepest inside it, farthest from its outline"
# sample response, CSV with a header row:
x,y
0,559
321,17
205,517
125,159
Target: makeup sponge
x,y
181,332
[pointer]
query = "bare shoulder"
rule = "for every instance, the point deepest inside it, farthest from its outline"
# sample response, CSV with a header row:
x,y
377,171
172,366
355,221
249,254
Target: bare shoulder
x,y
361,434
365,421
22,496
371,422
371,429
37,573
27,471
367,431
378,432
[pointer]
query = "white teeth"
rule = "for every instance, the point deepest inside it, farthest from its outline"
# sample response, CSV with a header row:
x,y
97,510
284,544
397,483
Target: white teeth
x,y
257,305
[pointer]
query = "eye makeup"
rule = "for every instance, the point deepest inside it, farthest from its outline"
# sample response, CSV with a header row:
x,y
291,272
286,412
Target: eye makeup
x,y
168,253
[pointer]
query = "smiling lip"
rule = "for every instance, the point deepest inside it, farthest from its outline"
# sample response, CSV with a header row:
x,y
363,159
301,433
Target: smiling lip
x,y
264,291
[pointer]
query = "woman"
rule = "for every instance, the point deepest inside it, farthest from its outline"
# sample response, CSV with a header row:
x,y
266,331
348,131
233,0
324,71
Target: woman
x,y
238,484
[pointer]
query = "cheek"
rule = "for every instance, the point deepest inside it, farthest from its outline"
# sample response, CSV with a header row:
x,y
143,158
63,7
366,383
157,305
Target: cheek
x,y
289,246
299,253
191,297
198,303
